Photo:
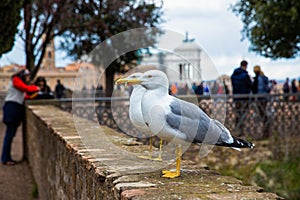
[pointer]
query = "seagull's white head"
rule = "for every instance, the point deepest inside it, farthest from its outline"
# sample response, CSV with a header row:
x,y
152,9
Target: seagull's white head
x,y
134,75
154,79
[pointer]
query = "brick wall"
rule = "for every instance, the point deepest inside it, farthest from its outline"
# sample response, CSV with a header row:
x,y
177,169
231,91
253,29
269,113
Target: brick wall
x,y
64,168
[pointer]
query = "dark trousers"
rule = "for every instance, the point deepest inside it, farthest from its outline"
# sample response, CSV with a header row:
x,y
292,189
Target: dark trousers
x,y
262,108
11,130
241,107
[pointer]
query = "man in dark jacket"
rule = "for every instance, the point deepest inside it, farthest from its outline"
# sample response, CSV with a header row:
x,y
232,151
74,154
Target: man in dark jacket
x,y
241,84
59,89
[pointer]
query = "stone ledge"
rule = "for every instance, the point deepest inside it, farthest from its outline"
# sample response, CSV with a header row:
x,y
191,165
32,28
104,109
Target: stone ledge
x,y
99,163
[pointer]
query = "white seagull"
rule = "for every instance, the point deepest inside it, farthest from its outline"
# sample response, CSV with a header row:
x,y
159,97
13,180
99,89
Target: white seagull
x,y
135,111
178,121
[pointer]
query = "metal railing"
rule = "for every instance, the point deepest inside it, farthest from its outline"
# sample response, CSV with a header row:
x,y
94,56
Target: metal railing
x,y
251,116
255,116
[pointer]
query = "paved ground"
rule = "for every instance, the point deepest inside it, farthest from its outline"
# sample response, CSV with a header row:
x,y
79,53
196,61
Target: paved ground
x,y
16,182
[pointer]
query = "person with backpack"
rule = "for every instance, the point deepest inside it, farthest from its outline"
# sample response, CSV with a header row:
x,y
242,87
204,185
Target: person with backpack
x,y
261,86
261,82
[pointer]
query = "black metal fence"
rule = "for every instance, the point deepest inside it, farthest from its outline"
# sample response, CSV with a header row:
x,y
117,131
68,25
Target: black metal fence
x,y
255,116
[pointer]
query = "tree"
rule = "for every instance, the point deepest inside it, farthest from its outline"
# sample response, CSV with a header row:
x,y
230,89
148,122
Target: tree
x,y
43,20
104,19
9,20
272,26
83,25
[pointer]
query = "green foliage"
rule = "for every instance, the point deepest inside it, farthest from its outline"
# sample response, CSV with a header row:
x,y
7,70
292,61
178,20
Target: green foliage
x,y
279,173
272,26
9,20
278,176
282,177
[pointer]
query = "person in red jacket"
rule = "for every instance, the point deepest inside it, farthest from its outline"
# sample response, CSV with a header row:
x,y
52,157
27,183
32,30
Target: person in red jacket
x,y
13,110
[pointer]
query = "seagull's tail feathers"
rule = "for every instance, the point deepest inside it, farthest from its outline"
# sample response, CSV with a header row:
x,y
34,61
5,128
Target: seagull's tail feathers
x,y
237,143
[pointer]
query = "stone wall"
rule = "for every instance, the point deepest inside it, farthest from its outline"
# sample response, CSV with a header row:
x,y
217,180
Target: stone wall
x,y
95,164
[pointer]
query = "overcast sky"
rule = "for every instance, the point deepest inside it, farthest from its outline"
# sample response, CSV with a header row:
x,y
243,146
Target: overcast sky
x,y
214,27
217,30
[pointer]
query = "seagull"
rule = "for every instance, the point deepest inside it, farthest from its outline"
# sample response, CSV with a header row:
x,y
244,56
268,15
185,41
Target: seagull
x,y
135,112
178,121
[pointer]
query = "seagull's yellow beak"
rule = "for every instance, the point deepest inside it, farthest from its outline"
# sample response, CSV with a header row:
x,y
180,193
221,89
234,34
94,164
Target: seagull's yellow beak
x,y
134,81
121,81
128,82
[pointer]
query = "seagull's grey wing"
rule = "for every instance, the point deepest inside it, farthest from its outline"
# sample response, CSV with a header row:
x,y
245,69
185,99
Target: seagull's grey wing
x,y
188,119
198,127
187,109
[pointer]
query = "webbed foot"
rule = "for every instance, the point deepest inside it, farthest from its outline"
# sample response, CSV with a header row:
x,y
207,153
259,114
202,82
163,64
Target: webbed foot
x,y
170,174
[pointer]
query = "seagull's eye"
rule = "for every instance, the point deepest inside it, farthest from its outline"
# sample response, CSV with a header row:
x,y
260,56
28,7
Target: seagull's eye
x,y
133,77
149,76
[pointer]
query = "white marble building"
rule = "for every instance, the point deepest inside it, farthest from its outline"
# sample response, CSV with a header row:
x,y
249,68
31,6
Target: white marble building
x,y
183,65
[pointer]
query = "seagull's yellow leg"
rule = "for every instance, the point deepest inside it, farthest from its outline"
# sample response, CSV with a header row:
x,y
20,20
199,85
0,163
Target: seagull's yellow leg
x,y
149,157
159,158
150,148
171,174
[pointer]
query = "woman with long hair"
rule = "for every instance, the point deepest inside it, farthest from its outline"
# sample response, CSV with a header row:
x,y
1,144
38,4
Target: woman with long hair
x,y
45,91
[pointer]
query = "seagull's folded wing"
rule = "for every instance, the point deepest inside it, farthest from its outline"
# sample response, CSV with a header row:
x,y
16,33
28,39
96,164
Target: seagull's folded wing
x,y
189,119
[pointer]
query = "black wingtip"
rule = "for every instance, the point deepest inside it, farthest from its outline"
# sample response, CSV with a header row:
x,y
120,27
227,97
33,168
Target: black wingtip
x,y
238,143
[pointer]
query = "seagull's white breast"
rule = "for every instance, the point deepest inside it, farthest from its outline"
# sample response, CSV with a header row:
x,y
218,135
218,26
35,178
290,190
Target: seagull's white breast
x,y
154,109
135,108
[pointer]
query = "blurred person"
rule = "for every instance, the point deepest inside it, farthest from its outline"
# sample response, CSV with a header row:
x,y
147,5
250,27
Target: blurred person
x,y
261,86
261,82
214,88
241,84
13,110
99,91
182,89
226,88
174,88
199,89
45,91
274,89
99,87
241,81
59,90
294,89
286,88
194,87
206,89
221,89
